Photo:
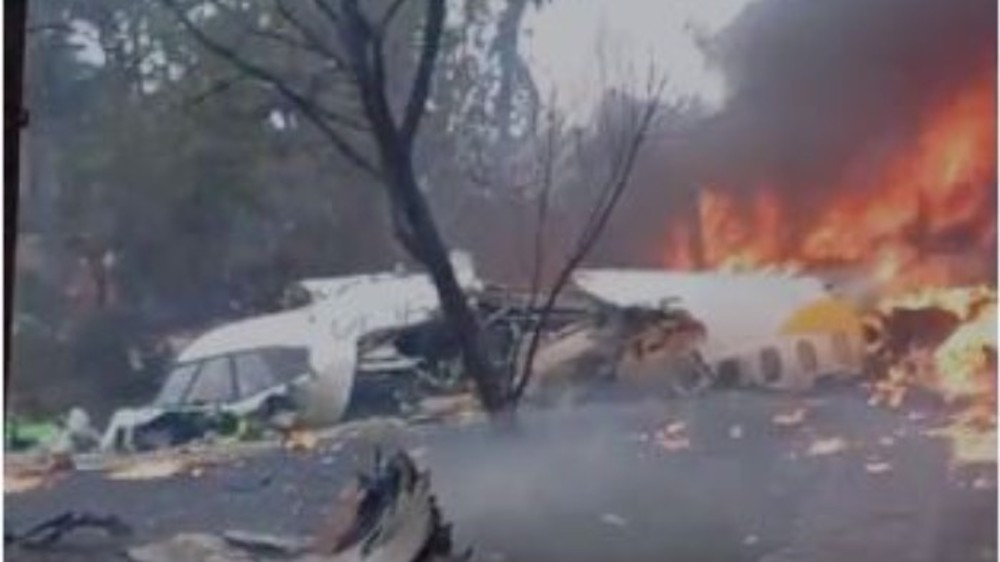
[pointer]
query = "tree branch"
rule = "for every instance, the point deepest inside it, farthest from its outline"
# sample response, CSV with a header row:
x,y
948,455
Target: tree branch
x,y
611,194
417,103
366,58
327,11
310,35
388,16
217,87
299,102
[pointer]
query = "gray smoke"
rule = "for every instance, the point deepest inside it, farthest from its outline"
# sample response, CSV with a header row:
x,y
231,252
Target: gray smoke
x,y
819,86
820,91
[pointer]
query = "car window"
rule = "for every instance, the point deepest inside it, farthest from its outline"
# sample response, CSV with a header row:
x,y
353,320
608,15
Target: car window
x,y
286,363
253,374
213,383
176,384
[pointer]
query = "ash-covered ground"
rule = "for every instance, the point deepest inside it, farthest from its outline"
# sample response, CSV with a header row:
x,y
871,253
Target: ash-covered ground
x,y
729,476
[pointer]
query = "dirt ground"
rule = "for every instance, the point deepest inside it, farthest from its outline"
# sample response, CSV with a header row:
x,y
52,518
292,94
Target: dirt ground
x,y
731,476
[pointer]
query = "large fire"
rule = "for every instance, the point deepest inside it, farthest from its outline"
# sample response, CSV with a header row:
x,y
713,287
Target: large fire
x,y
934,193
920,227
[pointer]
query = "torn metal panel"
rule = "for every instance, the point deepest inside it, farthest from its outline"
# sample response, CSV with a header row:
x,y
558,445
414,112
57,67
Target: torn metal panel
x,y
735,308
766,330
387,515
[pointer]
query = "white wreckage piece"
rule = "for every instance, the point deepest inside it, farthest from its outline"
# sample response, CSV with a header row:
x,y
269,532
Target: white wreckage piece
x,y
589,355
392,516
764,330
304,360
388,515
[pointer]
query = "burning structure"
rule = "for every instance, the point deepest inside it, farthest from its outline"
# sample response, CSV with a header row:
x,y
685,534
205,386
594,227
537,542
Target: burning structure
x,y
871,161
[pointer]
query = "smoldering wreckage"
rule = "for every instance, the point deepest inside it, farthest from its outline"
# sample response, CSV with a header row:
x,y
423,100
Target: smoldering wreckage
x,y
376,344
368,345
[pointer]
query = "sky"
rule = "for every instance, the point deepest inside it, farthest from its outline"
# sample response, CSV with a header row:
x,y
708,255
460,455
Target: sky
x,y
566,40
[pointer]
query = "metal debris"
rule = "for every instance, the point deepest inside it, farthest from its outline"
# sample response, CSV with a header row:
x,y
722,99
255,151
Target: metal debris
x,y
672,437
28,474
52,530
189,547
387,515
149,469
614,520
792,418
878,467
736,432
827,446
267,545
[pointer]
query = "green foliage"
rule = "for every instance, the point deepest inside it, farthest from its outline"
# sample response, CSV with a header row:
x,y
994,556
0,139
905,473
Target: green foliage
x,y
200,179
154,150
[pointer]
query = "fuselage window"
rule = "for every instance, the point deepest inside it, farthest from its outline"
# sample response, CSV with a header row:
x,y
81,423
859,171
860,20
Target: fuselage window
x,y
770,364
807,356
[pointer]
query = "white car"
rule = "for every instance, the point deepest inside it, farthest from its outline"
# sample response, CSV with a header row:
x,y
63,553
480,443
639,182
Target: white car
x,y
203,394
307,359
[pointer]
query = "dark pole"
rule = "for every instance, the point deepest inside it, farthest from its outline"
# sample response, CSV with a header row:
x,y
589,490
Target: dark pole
x,y
14,119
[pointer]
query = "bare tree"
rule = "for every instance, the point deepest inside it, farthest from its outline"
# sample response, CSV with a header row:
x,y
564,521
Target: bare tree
x,y
626,138
556,157
349,42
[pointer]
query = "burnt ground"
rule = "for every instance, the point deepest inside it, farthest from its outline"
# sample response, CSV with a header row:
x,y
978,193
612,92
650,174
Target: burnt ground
x,y
594,483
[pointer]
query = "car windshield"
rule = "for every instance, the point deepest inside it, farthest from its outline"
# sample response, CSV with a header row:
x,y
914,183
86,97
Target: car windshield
x,y
285,364
211,380
176,384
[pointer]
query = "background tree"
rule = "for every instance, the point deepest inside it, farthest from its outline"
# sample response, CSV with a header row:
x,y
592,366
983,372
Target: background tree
x,y
354,69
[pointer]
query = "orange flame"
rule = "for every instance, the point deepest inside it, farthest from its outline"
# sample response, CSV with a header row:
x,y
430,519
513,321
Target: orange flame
x,y
937,185
920,226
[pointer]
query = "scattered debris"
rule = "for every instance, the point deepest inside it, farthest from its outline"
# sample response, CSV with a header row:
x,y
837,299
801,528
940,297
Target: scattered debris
x,y
17,483
826,446
52,530
969,444
23,435
675,428
878,467
149,469
267,545
418,453
439,408
614,520
890,391
300,440
983,483
792,418
887,441
672,437
389,512
76,434
22,477
188,547
386,515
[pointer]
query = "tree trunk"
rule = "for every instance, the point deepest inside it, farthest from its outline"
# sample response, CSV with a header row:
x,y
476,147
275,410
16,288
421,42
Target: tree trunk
x,y
403,187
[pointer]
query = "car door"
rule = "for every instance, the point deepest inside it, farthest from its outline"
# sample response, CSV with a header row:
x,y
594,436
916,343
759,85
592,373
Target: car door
x,y
213,385
255,381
